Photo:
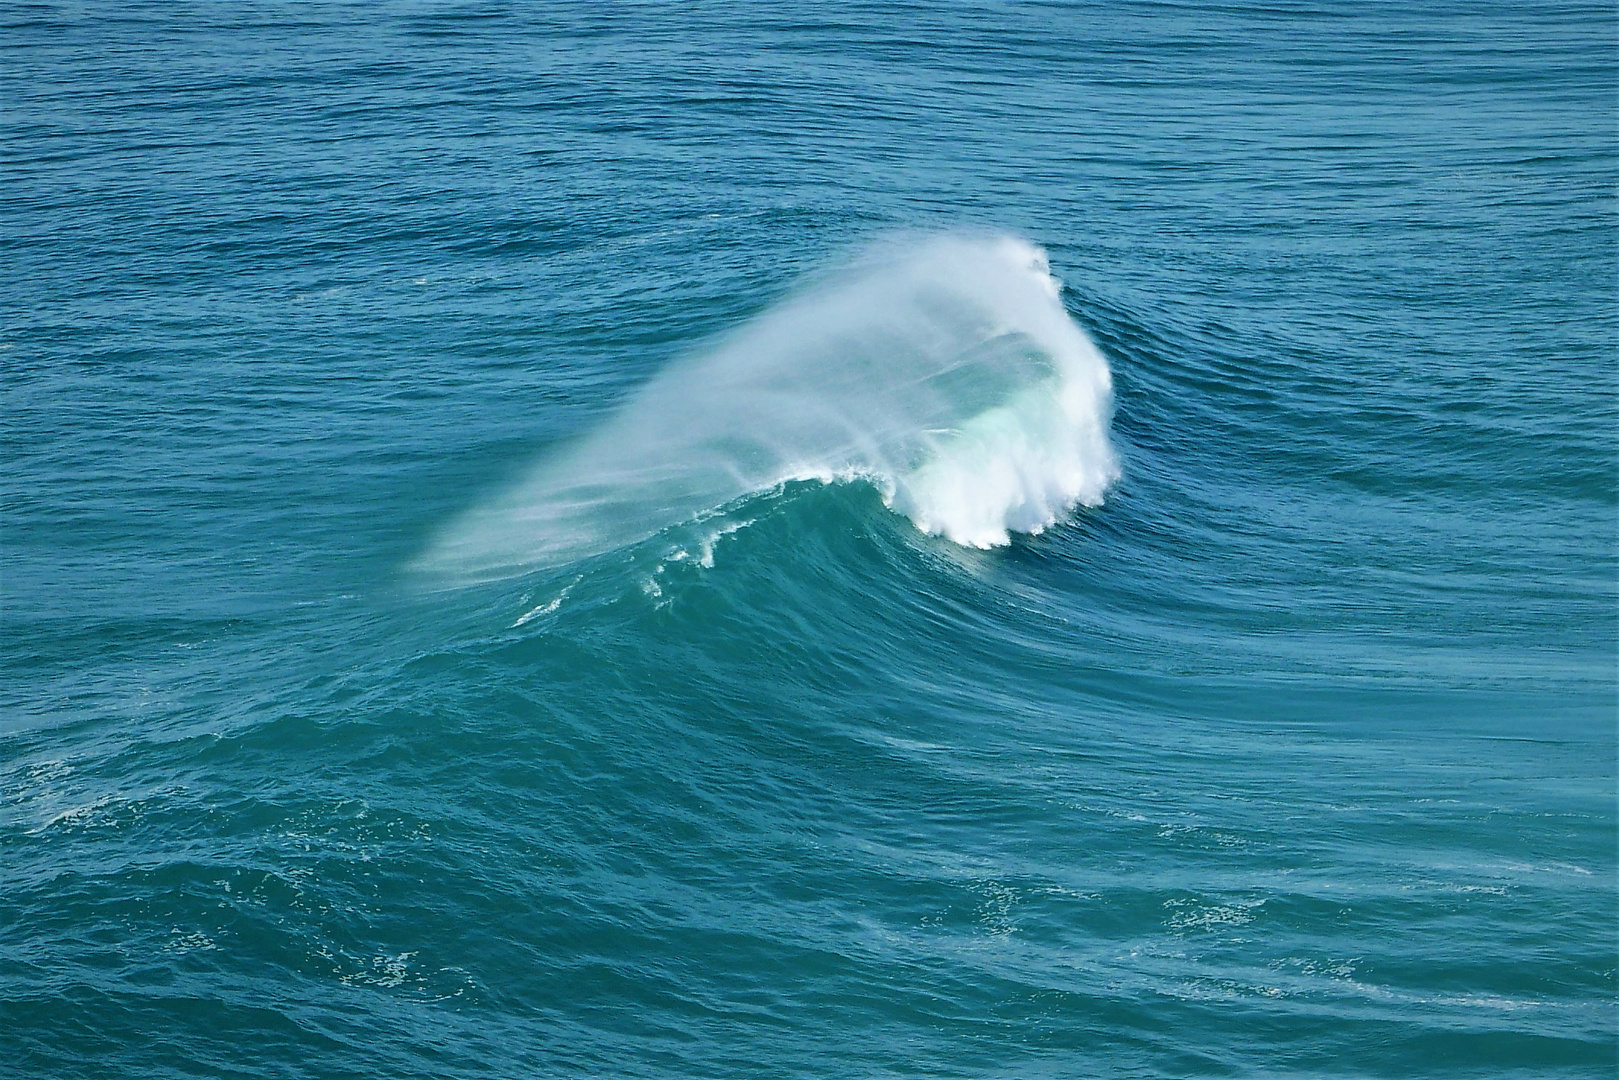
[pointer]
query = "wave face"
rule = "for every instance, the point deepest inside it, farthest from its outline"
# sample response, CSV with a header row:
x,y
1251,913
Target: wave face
x,y
944,371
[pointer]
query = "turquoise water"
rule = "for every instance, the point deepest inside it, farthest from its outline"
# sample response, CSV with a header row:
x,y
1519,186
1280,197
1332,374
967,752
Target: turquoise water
x,y
1016,540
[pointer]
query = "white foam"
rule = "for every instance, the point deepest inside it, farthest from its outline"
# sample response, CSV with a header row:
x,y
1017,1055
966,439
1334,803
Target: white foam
x,y
944,370
543,609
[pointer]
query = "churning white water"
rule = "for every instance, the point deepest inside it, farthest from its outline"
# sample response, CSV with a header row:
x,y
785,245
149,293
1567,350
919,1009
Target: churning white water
x,y
945,371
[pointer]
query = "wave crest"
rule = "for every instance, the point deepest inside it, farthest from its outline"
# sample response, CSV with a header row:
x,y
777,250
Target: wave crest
x,y
945,371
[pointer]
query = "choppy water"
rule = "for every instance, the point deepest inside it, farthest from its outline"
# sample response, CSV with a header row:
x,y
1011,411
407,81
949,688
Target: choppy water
x,y
505,540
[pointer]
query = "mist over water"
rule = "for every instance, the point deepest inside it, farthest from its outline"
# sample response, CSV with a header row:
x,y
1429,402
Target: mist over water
x,y
944,371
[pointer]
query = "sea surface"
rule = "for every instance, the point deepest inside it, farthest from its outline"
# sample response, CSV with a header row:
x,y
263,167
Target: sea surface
x,y
723,540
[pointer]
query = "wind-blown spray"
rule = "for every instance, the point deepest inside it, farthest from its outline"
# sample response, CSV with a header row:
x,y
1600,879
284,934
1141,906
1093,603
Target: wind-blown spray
x,y
945,372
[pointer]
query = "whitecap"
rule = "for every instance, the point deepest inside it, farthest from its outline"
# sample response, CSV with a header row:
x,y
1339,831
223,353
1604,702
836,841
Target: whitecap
x,y
944,371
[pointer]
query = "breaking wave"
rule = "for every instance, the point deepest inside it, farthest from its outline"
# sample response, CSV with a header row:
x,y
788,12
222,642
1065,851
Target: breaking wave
x,y
944,371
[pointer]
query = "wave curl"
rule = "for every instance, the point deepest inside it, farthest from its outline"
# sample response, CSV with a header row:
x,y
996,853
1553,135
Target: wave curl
x,y
944,371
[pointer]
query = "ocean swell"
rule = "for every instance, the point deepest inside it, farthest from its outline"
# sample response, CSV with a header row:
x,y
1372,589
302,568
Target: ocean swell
x,y
944,371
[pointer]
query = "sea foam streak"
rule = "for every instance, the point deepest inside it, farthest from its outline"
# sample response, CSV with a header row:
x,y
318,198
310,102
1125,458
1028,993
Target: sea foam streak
x,y
944,371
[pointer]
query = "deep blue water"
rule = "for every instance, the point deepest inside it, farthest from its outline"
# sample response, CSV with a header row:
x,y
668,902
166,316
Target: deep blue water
x,y
481,585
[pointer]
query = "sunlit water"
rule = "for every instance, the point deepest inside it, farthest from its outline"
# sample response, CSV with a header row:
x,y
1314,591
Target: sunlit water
x,y
1029,540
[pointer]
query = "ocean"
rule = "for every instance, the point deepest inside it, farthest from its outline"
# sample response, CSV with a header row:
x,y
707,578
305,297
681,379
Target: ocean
x,y
1027,540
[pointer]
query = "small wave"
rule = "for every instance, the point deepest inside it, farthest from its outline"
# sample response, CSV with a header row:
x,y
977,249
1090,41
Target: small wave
x,y
944,371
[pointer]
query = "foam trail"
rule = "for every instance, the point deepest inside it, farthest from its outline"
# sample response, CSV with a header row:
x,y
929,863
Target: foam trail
x,y
945,371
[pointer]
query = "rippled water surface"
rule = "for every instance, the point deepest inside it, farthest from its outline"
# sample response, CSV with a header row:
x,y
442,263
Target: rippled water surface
x,y
808,540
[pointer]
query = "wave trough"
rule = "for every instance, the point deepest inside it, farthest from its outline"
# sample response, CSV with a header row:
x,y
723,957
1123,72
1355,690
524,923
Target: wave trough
x,y
944,371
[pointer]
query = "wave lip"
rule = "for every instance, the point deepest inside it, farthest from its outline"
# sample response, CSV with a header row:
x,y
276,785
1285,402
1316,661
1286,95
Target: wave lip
x,y
943,370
